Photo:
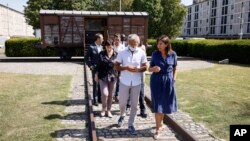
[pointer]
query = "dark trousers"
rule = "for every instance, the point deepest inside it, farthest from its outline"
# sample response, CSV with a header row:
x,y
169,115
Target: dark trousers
x,y
96,89
141,100
117,84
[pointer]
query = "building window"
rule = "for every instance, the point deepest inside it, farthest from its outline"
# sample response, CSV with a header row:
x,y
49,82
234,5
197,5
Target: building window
x,y
225,2
189,17
214,3
196,16
196,8
212,30
213,21
190,10
224,10
224,20
213,13
248,28
195,23
249,5
188,31
232,17
188,24
231,27
195,31
249,17
223,29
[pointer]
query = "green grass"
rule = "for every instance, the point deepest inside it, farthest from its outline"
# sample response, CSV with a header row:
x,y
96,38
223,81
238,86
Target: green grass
x,y
217,96
22,112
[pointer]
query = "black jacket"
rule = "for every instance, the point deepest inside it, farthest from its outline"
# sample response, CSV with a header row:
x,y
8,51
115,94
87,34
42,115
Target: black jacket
x,y
105,67
92,56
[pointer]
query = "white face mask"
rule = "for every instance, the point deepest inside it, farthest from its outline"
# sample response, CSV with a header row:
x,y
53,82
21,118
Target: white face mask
x,y
132,48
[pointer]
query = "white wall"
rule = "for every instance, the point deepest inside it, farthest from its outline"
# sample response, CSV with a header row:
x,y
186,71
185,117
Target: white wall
x,y
12,23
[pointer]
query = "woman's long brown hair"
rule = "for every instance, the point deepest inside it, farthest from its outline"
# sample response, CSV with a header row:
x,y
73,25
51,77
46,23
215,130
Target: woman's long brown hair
x,y
165,39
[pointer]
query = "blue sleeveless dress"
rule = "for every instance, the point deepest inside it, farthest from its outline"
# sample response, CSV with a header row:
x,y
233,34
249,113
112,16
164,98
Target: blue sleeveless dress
x,y
163,94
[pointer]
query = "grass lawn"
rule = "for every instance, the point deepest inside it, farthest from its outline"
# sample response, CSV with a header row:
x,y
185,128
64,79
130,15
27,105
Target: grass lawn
x,y
217,96
21,110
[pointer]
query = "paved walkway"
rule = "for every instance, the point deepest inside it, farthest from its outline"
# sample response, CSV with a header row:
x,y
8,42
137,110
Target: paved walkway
x,y
107,127
76,118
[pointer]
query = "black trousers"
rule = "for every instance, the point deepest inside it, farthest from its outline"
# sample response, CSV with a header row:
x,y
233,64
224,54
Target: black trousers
x,y
141,100
117,84
96,89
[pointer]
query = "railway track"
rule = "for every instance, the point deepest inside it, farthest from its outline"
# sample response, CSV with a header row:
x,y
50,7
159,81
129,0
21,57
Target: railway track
x,y
178,127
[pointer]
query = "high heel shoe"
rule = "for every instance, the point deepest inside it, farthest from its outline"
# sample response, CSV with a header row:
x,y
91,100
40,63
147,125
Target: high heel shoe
x,y
109,114
162,128
102,113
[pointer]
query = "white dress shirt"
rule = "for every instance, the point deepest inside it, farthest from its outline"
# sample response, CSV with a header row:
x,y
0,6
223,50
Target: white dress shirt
x,y
135,59
119,48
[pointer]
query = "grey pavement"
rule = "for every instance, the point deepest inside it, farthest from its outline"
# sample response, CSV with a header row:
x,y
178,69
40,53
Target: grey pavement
x,y
74,122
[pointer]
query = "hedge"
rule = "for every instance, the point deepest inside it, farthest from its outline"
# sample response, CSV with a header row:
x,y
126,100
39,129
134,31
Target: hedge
x,y
26,47
237,51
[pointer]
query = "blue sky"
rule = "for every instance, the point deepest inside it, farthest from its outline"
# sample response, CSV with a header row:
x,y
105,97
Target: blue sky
x,y
18,4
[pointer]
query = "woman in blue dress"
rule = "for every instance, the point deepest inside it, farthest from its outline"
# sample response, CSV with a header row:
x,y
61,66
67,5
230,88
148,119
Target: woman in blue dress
x,y
163,65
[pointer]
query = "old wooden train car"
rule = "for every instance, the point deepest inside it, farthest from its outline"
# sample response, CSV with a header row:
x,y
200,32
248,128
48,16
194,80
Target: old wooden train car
x,y
67,30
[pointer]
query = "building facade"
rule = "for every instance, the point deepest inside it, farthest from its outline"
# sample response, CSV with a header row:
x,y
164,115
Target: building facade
x,y
218,19
13,23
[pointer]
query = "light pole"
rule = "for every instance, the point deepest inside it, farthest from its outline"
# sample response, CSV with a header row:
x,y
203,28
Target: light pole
x,y
120,5
8,26
242,21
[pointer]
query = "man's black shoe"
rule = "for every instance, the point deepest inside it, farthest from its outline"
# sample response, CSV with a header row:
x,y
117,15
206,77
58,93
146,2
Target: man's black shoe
x,y
99,101
95,103
143,115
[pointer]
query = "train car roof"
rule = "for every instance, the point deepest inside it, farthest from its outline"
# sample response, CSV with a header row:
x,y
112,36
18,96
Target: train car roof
x,y
91,13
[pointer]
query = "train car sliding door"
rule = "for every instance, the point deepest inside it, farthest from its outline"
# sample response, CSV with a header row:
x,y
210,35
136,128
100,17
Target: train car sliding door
x,y
93,26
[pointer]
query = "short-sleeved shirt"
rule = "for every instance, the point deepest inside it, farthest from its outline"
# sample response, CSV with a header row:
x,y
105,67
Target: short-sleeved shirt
x,y
120,48
135,59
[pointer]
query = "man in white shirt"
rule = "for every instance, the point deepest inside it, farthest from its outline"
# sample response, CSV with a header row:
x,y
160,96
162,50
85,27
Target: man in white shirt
x,y
118,47
132,62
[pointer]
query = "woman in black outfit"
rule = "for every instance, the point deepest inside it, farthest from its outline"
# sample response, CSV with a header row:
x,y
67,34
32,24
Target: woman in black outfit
x,y
106,76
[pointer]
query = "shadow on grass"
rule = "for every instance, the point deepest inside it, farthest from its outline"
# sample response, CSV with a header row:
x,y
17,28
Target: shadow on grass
x,y
72,116
67,102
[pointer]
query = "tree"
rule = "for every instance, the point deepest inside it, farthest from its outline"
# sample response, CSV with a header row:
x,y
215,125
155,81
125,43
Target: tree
x,y
155,11
173,17
113,5
31,12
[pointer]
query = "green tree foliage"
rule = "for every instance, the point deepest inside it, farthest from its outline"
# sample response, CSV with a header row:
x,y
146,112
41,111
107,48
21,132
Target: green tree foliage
x,y
165,16
31,12
155,11
173,17
114,5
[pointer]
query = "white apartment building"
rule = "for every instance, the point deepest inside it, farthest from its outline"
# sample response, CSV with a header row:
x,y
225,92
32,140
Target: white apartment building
x,y
13,23
217,19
